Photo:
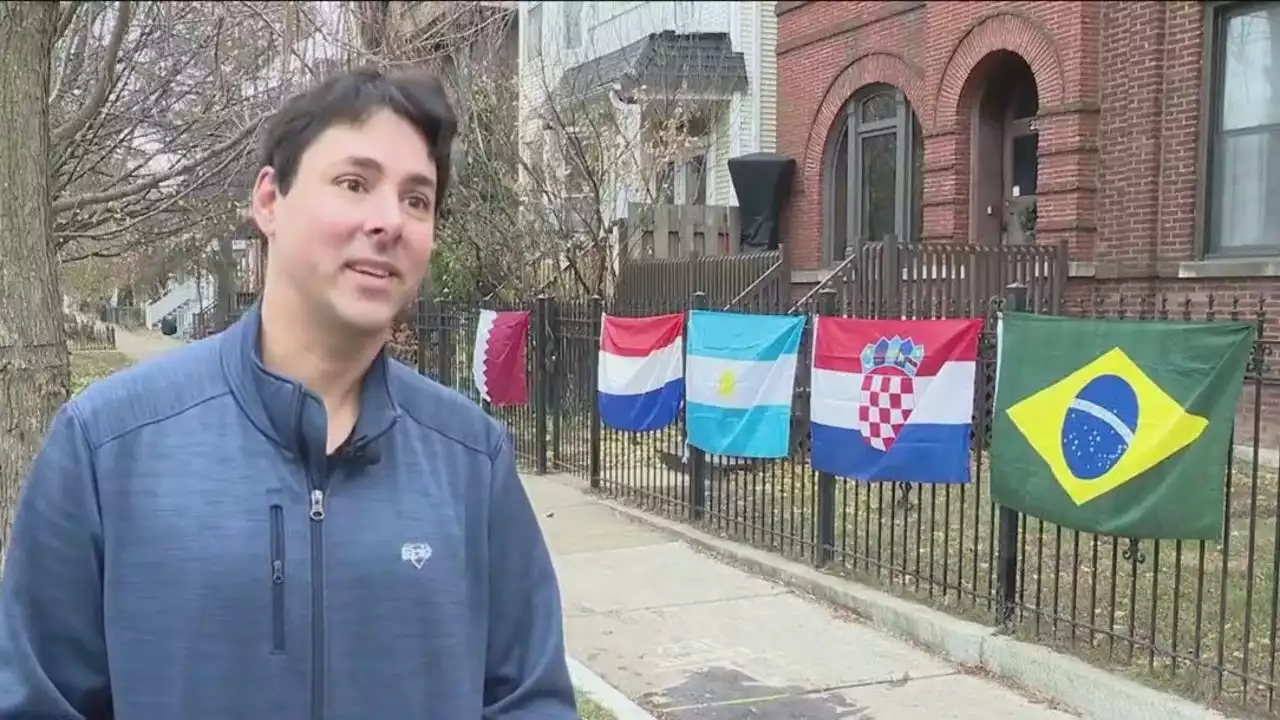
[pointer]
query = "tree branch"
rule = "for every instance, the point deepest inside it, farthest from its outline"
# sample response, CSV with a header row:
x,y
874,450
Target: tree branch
x,y
106,196
67,15
105,81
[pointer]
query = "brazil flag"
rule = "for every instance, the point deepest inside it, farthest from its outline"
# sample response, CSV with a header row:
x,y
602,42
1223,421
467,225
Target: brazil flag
x,y
1119,427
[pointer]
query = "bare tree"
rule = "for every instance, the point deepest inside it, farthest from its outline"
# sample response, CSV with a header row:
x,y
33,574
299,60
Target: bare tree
x,y
482,242
603,147
128,135
535,209
152,107
598,158
34,378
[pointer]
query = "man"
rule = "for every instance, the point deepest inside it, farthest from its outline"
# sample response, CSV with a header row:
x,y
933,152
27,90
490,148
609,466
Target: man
x,y
280,522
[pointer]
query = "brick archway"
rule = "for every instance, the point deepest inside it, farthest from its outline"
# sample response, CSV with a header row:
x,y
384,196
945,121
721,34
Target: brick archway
x,y
948,149
990,33
873,67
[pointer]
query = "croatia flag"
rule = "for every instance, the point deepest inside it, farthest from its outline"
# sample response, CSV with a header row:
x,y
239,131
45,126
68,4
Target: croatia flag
x,y
893,399
498,360
641,371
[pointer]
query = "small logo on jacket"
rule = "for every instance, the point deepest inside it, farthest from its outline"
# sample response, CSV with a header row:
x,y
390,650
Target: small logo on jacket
x,y
416,554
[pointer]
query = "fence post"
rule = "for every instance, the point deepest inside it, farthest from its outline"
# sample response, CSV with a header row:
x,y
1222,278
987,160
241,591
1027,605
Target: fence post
x,y
1015,300
697,458
595,431
421,331
541,314
891,280
555,383
449,327
826,481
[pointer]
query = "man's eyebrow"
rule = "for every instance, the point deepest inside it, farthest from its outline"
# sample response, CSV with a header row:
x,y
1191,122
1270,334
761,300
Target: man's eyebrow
x,y
370,165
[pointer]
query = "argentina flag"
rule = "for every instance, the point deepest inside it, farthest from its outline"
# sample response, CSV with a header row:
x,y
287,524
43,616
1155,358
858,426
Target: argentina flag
x,y
740,375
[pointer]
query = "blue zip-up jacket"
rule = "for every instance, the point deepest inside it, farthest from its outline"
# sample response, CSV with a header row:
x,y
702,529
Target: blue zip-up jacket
x,y
184,550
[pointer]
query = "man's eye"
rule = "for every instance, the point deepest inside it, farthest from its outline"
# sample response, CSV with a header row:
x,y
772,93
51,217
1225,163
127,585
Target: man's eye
x,y
351,184
419,203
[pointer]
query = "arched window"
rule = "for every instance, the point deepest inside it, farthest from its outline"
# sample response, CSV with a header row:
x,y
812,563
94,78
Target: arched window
x,y
874,179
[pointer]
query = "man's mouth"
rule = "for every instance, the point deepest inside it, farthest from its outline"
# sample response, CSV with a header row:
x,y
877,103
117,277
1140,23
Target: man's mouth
x,y
373,270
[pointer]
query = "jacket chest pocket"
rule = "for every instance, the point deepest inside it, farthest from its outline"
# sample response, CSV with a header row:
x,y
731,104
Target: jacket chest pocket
x,y
283,578
277,540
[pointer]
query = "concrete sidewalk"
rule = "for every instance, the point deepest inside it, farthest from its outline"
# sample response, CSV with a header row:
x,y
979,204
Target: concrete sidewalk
x,y
689,637
139,345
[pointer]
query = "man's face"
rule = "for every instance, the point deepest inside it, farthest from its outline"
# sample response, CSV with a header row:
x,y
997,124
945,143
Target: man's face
x,y
353,236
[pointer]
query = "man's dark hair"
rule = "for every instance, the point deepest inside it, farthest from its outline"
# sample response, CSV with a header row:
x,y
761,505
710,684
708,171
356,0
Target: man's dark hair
x,y
349,98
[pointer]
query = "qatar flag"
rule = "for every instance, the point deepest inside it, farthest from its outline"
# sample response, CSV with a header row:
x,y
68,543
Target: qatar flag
x,y
498,364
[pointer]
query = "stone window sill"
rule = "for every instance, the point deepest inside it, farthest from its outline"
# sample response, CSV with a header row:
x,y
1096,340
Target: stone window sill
x,y
1230,268
1217,268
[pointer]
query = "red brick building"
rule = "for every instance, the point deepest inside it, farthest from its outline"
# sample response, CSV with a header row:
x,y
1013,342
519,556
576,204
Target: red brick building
x,y
1143,134
1097,111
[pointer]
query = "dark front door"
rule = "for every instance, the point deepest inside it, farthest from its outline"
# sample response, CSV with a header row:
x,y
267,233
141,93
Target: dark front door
x,y
1004,152
1021,162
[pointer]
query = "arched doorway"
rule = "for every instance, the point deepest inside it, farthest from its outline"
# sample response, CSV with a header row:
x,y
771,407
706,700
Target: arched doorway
x,y
873,179
1004,151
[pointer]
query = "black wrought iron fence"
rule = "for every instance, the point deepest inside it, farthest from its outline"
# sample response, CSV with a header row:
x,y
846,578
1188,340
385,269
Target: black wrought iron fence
x,y
1199,618
447,333
85,334
125,317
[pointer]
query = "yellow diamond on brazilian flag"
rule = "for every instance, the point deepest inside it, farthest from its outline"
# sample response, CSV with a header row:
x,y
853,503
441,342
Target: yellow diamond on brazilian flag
x,y
1120,427
1103,425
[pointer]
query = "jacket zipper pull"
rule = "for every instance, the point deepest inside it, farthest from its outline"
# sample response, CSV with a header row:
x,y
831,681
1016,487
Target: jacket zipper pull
x,y
277,572
317,505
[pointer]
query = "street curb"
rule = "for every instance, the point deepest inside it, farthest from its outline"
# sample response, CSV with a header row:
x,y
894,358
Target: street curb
x,y
604,693
1087,690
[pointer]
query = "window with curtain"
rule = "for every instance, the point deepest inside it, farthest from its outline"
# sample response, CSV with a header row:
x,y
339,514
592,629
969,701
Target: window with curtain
x,y
1243,175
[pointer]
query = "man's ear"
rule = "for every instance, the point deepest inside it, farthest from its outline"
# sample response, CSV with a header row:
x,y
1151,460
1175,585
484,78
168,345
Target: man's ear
x,y
266,198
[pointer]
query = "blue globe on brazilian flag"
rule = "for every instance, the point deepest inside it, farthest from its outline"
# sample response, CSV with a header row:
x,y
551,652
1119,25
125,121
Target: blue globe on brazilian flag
x,y
1119,427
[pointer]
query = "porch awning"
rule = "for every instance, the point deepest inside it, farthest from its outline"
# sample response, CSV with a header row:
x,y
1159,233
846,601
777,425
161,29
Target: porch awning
x,y
667,64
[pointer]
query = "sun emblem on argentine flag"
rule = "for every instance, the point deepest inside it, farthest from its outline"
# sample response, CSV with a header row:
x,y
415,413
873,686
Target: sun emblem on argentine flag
x,y
887,395
725,384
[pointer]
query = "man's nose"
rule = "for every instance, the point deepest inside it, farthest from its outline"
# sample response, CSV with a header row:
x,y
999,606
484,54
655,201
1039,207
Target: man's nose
x,y
385,216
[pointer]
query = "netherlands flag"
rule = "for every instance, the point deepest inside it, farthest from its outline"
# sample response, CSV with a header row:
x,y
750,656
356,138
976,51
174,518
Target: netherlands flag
x,y
641,371
893,399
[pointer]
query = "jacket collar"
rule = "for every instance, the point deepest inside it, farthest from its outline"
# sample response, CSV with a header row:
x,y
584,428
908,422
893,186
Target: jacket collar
x,y
286,412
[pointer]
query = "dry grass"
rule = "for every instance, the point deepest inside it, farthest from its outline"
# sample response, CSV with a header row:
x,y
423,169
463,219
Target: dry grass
x,y
90,365
589,709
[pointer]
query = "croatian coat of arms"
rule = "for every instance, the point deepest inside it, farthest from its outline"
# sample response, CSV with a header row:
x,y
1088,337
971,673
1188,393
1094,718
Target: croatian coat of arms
x,y
888,393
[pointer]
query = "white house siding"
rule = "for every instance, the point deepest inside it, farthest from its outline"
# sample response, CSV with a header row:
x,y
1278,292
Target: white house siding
x,y
768,50
749,122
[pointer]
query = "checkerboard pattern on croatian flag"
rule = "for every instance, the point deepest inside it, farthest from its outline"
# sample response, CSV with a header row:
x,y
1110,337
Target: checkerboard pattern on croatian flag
x,y
892,400
886,401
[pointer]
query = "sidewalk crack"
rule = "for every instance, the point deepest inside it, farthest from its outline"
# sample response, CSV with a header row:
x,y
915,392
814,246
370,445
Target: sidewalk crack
x,y
897,682
675,605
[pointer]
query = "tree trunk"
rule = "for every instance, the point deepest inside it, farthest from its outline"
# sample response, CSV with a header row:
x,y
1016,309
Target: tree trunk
x,y
34,375
226,281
